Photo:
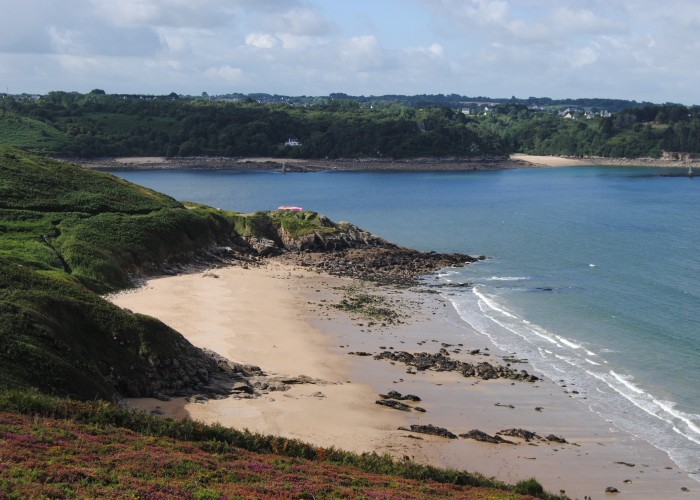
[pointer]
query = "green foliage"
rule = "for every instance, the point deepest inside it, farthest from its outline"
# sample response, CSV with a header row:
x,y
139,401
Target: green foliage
x,y
293,224
529,487
372,307
223,441
27,132
96,124
298,224
103,249
59,337
32,183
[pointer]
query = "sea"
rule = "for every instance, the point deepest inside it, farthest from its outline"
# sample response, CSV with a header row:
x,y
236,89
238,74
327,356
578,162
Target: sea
x,y
592,273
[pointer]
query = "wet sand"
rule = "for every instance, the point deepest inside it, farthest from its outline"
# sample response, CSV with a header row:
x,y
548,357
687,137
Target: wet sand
x,y
278,317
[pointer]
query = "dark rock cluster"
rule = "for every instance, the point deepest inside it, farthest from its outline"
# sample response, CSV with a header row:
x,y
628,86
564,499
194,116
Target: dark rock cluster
x,y
478,435
442,362
430,429
387,264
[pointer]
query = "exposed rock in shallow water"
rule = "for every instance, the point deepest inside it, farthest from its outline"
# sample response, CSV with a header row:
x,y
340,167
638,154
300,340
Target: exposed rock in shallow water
x,y
519,433
380,262
478,435
556,439
430,429
442,362
398,396
392,403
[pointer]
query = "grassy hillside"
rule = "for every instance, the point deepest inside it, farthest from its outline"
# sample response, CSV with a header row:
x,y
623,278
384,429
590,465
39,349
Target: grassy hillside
x,y
30,133
98,450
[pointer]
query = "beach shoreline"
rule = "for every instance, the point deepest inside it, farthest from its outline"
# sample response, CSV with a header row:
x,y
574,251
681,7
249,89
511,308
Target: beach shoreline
x,y
514,161
280,317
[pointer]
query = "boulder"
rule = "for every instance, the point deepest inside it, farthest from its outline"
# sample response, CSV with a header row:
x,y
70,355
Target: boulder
x,y
430,429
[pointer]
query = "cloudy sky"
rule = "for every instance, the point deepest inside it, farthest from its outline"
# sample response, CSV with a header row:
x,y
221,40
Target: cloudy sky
x,y
630,49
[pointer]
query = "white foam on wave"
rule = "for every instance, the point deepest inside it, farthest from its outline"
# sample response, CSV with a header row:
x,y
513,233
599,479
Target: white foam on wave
x,y
592,362
494,307
625,380
444,274
491,304
567,359
669,407
568,342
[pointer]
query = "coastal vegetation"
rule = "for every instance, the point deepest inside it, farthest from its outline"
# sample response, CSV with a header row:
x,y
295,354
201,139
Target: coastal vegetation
x,y
69,124
67,235
100,450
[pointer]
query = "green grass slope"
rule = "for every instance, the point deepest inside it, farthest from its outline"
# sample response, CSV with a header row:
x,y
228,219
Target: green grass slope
x,y
98,450
29,133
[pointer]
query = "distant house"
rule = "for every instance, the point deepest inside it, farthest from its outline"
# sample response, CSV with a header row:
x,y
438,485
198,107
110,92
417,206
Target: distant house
x,y
293,142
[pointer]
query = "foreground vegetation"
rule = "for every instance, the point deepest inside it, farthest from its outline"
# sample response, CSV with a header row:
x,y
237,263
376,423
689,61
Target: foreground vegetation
x,y
99,450
100,125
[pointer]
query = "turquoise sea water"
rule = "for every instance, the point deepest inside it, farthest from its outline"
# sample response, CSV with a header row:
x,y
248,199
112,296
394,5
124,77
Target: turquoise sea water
x,y
593,273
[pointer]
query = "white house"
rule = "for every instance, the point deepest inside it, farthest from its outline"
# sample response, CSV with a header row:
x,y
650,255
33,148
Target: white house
x,y
293,141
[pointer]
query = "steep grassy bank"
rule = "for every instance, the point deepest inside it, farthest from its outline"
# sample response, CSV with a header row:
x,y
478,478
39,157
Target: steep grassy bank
x,y
99,450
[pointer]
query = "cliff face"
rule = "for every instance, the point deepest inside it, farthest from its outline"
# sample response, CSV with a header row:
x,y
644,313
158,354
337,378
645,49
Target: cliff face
x,y
278,232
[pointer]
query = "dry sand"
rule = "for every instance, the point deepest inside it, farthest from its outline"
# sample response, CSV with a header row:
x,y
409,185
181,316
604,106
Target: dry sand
x,y
278,317
549,161
141,160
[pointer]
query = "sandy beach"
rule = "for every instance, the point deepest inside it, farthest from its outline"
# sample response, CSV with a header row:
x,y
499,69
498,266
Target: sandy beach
x,y
456,164
549,161
279,317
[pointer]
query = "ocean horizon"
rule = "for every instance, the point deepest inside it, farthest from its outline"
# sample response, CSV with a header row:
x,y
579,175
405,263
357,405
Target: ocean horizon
x,y
592,273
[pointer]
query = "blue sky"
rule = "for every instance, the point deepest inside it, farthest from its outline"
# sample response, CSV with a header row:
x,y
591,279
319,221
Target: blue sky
x,y
633,49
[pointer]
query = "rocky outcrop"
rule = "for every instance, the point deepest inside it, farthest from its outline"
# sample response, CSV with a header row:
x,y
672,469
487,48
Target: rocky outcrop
x,y
343,236
520,433
400,397
478,435
392,403
387,264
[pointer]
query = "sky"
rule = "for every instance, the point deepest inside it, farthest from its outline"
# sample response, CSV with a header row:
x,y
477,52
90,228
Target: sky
x,y
644,50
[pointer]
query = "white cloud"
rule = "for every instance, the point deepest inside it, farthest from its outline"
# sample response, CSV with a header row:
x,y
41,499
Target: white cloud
x,y
584,57
639,49
128,12
227,74
363,53
301,22
435,51
65,41
262,40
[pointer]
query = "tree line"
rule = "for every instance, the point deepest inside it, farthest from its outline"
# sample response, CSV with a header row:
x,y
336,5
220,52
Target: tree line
x,y
338,126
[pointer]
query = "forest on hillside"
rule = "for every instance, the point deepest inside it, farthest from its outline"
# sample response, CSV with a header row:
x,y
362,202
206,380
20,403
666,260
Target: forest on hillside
x,y
70,124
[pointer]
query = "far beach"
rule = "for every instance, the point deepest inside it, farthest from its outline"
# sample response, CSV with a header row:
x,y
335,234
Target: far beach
x,y
279,317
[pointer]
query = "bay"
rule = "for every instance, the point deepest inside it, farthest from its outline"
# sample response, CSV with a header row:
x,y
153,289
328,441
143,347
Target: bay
x,y
593,273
